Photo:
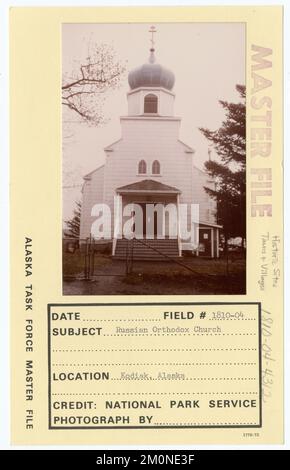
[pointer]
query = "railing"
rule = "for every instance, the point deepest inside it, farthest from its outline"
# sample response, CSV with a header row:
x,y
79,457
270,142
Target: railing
x,y
129,255
142,242
85,251
89,268
89,249
115,239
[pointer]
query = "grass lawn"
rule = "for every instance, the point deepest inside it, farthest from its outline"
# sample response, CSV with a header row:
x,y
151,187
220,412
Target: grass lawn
x,y
202,266
74,263
207,276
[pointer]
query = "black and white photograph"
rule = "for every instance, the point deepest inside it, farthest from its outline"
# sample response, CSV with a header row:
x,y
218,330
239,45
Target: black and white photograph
x,y
154,159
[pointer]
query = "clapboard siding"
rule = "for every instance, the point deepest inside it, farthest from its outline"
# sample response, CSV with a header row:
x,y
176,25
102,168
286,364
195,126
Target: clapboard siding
x,y
207,205
149,140
92,194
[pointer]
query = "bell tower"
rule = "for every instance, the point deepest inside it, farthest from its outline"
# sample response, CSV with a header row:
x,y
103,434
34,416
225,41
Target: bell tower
x,y
151,87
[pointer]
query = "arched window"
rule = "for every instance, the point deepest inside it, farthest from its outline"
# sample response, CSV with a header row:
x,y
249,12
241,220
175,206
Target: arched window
x,y
142,167
150,103
156,168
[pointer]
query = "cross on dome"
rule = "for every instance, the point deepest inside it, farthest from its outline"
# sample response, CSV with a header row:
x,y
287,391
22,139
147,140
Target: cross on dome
x,y
151,74
152,59
152,30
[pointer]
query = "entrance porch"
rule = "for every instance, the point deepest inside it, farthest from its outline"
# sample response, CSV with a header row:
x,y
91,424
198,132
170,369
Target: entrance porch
x,y
150,212
147,211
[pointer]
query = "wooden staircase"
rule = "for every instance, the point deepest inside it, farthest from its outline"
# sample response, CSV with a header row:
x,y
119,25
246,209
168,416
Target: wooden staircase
x,y
148,249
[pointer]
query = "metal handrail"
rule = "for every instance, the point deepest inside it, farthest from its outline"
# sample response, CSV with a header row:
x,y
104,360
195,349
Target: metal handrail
x,y
172,259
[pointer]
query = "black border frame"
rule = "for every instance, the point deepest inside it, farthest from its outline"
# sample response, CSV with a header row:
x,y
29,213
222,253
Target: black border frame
x,y
119,304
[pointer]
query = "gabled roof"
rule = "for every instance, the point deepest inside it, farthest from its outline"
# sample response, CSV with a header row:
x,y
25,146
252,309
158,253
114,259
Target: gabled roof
x,y
200,170
109,148
88,175
209,224
146,186
188,149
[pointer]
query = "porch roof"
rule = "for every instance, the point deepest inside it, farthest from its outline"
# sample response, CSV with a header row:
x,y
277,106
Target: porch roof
x,y
148,186
209,224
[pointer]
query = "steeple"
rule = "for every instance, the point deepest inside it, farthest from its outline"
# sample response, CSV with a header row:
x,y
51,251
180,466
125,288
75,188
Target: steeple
x,y
150,87
151,74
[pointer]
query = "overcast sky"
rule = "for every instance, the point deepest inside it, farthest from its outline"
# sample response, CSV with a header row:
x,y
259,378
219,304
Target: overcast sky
x,y
208,60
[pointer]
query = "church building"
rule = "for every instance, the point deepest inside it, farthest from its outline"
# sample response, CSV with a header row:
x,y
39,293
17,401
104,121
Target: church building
x,y
150,165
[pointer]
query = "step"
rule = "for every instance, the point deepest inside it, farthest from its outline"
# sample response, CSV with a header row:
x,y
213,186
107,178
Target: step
x,y
148,258
137,250
148,255
150,251
147,249
143,247
149,240
155,245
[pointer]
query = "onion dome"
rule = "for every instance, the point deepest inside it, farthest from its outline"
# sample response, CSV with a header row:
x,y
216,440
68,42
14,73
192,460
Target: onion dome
x,y
151,74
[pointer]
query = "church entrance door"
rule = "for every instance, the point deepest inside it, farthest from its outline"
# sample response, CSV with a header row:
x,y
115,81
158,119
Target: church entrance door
x,y
149,227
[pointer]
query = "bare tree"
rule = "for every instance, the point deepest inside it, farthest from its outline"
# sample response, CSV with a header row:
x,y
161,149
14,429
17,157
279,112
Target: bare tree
x,y
83,90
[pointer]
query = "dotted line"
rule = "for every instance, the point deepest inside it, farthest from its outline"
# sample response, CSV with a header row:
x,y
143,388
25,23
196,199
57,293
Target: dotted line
x,y
154,350
123,319
232,319
161,364
198,378
158,393
182,334
159,319
204,424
